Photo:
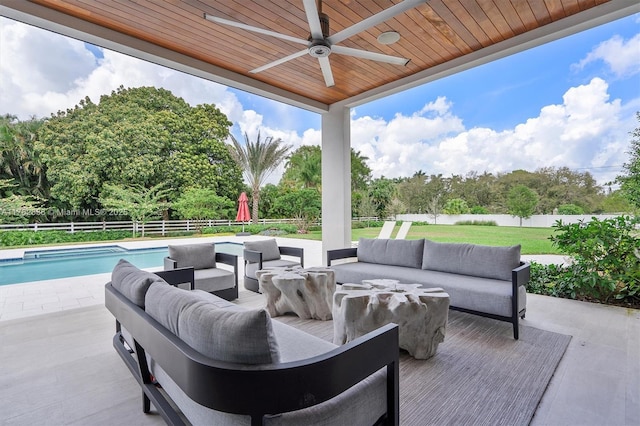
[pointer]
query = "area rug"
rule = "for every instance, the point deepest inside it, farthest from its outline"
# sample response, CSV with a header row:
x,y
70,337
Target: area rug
x,y
480,375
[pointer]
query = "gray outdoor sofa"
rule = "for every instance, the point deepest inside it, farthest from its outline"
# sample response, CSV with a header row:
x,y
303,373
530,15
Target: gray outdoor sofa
x,y
482,280
221,364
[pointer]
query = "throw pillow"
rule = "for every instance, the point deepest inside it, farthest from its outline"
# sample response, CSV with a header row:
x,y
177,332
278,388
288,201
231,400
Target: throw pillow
x,y
197,256
471,259
268,248
132,282
406,253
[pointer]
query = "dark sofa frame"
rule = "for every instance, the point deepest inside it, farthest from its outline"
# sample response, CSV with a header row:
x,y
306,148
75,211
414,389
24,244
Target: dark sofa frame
x,y
519,276
224,258
252,256
270,389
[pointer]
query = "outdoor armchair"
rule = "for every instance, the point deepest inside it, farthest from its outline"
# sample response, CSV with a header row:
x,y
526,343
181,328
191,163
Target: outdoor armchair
x,y
267,254
204,259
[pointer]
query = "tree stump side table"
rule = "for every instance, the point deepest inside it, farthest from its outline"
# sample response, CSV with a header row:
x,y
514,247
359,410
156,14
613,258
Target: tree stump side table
x,y
421,314
307,293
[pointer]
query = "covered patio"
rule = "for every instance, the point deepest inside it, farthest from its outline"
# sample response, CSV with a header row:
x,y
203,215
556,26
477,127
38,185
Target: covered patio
x,y
60,368
254,46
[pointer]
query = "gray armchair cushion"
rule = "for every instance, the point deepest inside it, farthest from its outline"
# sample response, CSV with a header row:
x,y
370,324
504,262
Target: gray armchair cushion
x,y
132,282
214,279
238,336
268,248
471,259
198,256
391,252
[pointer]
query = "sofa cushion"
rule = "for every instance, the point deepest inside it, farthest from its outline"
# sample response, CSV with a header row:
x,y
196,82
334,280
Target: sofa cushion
x,y
471,259
268,248
197,256
391,252
132,282
230,335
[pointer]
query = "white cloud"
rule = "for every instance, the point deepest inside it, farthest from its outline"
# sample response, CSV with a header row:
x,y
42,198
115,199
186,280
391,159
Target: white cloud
x,y
587,130
621,56
43,72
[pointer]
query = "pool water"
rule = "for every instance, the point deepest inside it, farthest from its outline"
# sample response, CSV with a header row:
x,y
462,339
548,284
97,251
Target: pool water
x,y
41,265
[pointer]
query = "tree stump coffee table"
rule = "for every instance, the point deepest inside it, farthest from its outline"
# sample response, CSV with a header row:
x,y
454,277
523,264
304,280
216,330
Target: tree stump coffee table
x,y
421,314
307,293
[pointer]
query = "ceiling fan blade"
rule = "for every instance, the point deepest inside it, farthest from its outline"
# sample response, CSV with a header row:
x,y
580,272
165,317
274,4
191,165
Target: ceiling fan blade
x,y
374,20
235,24
325,66
369,55
313,18
279,61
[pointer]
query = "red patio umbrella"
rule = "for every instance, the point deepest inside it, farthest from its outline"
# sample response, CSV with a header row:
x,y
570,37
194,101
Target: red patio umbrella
x,y
243,210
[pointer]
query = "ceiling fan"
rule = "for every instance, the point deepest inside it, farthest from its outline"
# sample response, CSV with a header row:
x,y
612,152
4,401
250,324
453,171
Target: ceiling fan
x,y
320,44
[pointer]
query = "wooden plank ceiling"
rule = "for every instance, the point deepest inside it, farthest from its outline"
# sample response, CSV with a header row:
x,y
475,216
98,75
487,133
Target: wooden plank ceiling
x,y
432,33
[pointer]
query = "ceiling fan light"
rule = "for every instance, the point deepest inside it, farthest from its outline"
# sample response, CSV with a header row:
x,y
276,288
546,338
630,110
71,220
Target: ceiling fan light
x,y
388,37
319,49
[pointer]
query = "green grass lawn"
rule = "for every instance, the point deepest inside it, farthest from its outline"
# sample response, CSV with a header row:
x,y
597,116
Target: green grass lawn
x,y
533,240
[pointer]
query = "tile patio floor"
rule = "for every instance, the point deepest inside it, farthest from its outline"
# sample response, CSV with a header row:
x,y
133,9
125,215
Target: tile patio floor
x,y
49,329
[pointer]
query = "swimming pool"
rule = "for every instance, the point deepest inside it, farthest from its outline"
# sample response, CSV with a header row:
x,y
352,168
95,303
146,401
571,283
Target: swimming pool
x,y
38,265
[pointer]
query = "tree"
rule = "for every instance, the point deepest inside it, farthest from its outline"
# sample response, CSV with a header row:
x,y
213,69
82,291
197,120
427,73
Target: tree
x,y
268,195
201,204
456,206
382,191
630,181
19,158
303,168
145,136
360,172
434,207
139,203
258,160
366,206
304,205
13,207
570,209
616,202
522,202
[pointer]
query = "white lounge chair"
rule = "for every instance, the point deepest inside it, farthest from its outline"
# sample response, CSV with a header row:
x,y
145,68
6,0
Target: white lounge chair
x,y
387,229
403,231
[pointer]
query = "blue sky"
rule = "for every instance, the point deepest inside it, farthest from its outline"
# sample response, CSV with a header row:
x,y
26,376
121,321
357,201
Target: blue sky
x,y
570,103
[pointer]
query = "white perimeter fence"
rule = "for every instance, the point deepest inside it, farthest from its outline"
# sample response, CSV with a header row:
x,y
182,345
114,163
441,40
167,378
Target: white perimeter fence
x,y
163,227
535,221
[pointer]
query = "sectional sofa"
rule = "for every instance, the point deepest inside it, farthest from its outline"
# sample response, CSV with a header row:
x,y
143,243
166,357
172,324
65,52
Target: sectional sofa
x,y
482,280
221,364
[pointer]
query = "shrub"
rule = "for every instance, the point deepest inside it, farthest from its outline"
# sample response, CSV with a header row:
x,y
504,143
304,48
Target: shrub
x,y
479,210
477,222
27,238
551,280
570,209
271,229
606,257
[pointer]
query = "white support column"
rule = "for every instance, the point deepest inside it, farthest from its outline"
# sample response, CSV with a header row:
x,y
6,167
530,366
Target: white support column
x,y
336,180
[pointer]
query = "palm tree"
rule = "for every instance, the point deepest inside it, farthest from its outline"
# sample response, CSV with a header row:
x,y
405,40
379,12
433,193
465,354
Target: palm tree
x,y
19,158
258,159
